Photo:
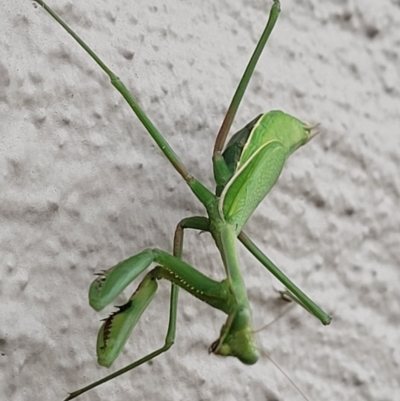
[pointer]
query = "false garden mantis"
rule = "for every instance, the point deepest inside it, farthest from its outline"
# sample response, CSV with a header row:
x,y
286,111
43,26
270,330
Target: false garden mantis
x,y
245,170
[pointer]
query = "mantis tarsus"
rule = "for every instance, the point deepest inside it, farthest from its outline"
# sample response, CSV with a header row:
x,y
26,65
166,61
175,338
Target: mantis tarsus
x,y
245,170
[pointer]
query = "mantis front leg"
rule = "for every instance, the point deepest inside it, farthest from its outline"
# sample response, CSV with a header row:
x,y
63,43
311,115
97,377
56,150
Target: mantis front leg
x,y
197,223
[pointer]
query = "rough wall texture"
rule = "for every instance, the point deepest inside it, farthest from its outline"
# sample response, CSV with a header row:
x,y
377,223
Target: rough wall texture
x,y
83,186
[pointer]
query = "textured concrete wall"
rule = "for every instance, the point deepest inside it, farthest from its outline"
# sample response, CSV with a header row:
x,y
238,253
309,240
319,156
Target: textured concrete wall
x,y
82,186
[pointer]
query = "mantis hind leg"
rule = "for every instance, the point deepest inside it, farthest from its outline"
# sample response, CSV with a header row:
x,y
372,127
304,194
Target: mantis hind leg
x,y
197,223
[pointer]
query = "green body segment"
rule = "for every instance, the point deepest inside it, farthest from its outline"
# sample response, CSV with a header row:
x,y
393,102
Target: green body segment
x,y
109,284
113,281
229,295
235,146
118,327
214,293
237,338
273,138
237,334
275,126
250,185
225,164
244,173
295,292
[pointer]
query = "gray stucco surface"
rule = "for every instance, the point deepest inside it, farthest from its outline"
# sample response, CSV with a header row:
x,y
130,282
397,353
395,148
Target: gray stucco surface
x,y
82,186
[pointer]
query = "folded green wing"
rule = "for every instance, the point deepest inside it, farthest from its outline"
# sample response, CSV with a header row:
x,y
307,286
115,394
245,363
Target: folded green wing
x,y
258,163
251,184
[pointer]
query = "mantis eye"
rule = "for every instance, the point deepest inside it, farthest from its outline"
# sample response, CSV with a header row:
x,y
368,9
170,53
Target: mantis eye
x,y
256,156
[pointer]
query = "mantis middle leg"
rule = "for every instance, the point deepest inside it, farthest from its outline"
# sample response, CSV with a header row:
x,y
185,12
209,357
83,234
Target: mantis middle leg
x,y
293,291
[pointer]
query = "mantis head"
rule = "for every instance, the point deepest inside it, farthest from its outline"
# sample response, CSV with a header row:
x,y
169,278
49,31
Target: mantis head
x,y
237,338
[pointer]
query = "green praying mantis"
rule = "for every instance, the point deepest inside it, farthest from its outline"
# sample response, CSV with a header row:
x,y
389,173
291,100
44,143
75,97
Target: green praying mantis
x,y
245,170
